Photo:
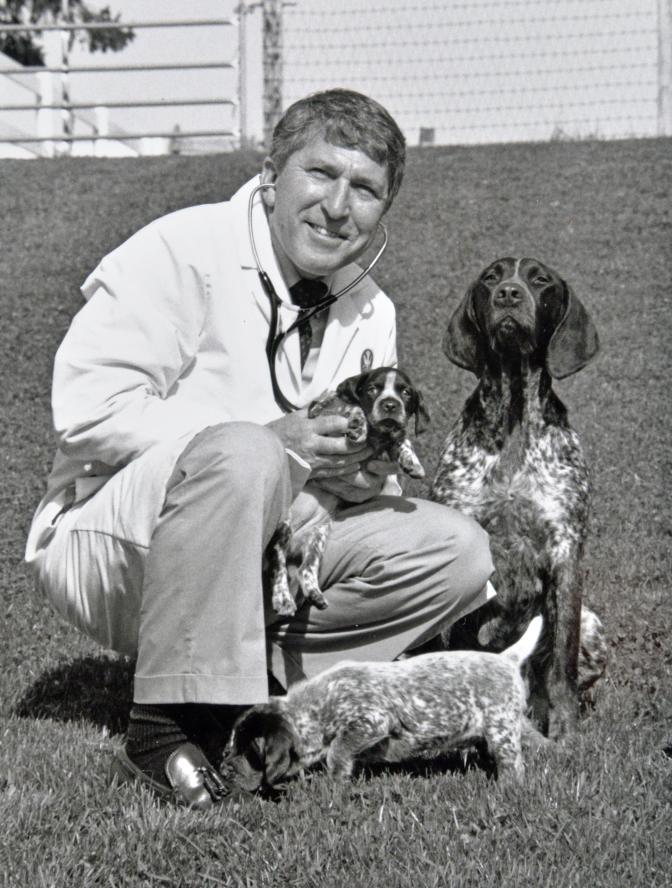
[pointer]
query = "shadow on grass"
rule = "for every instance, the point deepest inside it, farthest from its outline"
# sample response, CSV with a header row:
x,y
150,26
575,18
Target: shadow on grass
x,y
91,689
473,757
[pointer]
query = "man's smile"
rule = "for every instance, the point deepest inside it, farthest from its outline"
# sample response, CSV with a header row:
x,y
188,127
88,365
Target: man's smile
x,y
325,232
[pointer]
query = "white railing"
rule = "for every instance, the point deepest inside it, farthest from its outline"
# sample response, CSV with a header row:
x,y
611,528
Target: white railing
x,y
38,117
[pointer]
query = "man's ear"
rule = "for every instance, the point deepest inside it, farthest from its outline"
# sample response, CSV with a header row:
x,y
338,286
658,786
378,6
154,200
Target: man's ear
x,y
268,176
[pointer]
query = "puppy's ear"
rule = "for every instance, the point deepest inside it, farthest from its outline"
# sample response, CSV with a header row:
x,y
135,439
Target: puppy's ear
x,y
263,746
575,341
422,418
280,754
462,339
348,390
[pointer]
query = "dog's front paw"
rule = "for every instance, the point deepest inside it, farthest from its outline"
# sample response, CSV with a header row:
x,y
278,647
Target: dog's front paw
x,y
281,599
562,720
406,458
310,586
358,428
311,589
592,654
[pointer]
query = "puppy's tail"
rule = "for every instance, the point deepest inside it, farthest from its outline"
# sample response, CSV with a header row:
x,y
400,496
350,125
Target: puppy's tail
x,y
521,650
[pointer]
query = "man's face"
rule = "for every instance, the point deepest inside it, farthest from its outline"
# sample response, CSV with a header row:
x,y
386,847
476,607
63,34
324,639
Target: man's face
x,y
325,207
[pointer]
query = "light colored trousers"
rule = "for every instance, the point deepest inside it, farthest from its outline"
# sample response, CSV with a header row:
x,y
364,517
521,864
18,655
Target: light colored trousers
x,y
189,598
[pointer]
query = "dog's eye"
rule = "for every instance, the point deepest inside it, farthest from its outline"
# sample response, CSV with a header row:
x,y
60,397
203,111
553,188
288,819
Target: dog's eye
x,y
372,389
537,276
406,394
490,277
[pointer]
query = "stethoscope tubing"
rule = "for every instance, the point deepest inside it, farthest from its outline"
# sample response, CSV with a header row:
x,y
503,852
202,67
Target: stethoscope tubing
x,y
276,338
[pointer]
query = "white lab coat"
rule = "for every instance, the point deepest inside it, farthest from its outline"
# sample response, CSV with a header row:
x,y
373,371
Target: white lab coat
x,y
172,340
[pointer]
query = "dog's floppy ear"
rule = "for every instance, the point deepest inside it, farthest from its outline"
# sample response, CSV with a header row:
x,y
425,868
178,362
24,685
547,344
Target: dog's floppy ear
x,y
262,746
422,418
575,341
280,753
461,342
347,390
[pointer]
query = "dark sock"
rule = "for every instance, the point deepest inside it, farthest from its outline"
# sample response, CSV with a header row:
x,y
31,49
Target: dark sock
x,y
215,722
154,731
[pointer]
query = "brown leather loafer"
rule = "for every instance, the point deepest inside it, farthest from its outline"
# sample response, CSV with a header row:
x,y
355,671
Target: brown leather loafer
x,y
193,780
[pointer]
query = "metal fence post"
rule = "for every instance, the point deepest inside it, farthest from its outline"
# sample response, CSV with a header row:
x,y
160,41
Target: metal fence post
x,y
242,11
66,111
665,67
46,125
272,49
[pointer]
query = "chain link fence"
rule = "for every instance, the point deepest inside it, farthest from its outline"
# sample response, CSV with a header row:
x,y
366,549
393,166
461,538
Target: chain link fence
x,y
489,70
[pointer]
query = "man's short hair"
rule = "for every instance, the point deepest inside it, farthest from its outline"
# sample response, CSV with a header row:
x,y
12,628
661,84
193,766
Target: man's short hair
x,y
347,119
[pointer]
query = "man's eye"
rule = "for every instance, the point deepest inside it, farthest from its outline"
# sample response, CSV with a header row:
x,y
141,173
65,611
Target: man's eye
x,y
366,191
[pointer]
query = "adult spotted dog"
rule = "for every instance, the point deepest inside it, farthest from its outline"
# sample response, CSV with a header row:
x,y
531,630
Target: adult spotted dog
x,y
513,463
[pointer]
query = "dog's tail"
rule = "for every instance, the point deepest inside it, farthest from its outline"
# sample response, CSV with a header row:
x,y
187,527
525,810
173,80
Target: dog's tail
x,y
521,650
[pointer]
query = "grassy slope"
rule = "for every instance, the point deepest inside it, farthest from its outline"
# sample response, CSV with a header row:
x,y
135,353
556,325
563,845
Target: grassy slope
x,y
595,812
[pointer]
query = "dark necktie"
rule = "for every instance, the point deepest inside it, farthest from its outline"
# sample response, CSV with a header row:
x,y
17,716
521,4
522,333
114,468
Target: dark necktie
x,y
306,294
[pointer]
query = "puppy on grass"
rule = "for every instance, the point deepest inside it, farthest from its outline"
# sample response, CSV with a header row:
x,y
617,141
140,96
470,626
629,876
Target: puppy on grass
x,y
378,404
388,712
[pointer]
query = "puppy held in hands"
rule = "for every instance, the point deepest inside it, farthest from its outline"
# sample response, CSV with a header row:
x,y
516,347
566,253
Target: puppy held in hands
x,y
379,405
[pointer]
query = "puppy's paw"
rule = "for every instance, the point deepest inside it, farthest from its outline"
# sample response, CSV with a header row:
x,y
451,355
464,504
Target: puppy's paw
x,y
281,599
285,607
311,589
406,458
358,429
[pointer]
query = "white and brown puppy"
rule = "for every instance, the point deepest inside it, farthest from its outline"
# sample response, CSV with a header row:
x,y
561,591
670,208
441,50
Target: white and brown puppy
x,y
388,712
379,405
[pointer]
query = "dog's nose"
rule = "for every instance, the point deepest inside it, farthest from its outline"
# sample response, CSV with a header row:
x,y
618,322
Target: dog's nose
x,y
390,405
508,294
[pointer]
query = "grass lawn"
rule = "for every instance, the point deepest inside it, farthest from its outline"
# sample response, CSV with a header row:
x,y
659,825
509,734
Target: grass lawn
x,y
595,811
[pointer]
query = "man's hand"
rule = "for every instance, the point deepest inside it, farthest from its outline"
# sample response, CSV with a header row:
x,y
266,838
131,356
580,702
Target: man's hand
x,y
321,442
363,485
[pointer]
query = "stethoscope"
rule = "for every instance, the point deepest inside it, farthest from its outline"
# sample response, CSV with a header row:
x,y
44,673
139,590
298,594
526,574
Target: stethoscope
x,y
276,337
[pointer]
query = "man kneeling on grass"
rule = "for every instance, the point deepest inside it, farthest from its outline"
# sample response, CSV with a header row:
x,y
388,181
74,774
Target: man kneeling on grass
x,y
181,447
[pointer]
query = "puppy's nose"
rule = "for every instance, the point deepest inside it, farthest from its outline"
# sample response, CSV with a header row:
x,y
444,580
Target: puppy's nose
x,y
508,295
390,405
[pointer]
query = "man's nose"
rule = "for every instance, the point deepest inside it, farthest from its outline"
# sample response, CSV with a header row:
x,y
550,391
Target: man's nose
x,y
336,201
